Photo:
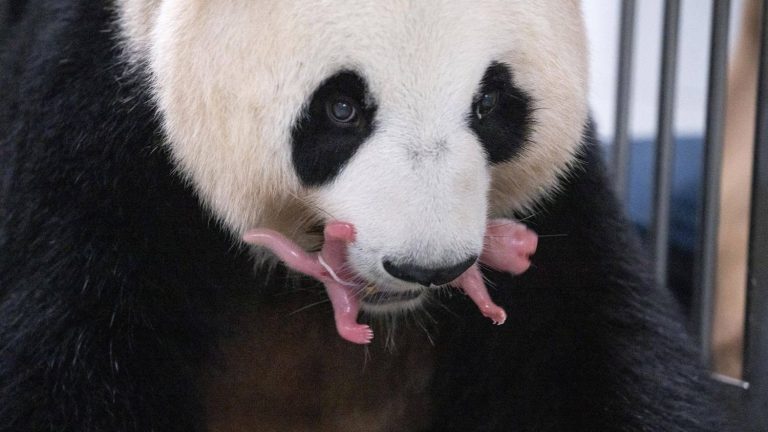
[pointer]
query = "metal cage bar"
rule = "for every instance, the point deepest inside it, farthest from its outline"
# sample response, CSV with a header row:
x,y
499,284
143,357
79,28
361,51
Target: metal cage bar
x,y
756,336
709,213
665,147
623,96
750,397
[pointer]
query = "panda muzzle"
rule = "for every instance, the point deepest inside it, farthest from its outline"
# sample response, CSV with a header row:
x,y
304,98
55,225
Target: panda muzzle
x,y
507,247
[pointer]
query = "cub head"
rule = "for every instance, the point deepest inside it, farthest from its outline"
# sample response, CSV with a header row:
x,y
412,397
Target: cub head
x,y
415,121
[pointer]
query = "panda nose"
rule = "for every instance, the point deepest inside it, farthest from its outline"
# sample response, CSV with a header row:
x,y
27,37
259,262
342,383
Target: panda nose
x,y
428,276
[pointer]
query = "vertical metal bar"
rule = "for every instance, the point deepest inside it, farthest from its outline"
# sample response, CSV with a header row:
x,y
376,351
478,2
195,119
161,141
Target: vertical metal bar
x,y
665,139
623,94
709,213
756,337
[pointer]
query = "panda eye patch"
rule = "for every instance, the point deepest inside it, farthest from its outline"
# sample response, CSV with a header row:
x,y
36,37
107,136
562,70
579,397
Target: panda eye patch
x,y
502,114
332,125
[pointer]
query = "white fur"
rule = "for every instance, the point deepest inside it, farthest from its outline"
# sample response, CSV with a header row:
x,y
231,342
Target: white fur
x,y
230,78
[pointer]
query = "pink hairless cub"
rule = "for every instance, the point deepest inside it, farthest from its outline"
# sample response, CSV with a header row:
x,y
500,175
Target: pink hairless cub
x,y
507,247
326,267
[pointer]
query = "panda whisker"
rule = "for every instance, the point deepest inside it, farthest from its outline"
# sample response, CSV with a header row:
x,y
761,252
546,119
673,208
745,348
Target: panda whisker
x,y
291,291
306,221
426,321
311,305
443,306
530,216
424,329
538,235
345,267
425,313
512,222
488,282
303,221
482,251
365,291
483,266
311,204
366,356
391,325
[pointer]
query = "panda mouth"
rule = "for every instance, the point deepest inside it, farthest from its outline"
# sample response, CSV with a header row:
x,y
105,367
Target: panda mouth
x,y
507,247
376,297
390,297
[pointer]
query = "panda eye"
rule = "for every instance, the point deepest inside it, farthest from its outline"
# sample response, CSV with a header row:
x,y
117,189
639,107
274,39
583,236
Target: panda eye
x,y
486,103
342,111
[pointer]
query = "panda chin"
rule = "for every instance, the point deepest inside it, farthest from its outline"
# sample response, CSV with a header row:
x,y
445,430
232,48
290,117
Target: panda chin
x,y
389,302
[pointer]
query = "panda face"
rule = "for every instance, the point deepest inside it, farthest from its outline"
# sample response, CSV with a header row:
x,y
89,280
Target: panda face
x,y
413,120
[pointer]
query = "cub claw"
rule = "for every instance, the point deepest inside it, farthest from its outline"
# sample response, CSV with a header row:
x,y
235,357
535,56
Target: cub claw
x,y
359,333
496,314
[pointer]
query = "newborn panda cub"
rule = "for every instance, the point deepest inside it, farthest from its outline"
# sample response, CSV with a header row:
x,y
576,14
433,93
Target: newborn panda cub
x,y
508,247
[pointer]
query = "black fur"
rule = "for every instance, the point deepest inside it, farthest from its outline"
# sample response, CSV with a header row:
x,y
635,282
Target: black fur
x,y
112,276
505,129
321,147
591,344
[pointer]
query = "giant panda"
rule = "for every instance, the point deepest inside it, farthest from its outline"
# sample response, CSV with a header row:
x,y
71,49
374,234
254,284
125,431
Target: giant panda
x,y
141,139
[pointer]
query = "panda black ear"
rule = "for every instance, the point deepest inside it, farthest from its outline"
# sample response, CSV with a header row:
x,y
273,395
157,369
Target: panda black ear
x,y
322,141
504,128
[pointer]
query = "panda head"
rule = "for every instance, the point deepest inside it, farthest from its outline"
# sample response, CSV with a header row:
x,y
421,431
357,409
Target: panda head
x,y
415,121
